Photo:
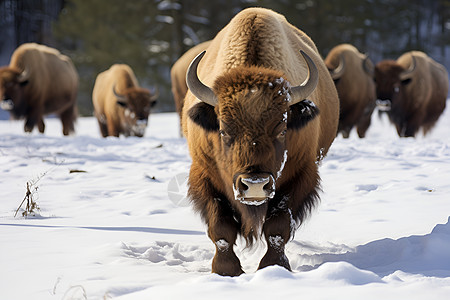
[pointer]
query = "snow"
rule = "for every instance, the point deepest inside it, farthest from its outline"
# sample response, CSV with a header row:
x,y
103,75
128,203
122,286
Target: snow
x,y
107,229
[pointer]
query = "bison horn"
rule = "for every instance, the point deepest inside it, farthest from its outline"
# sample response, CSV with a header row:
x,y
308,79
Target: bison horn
x,y
155,94
339,70
368,66
22,77
300,92
119,96
408,73
201,91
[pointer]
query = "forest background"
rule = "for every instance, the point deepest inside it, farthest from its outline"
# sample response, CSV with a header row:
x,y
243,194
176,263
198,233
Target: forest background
x,y
150,35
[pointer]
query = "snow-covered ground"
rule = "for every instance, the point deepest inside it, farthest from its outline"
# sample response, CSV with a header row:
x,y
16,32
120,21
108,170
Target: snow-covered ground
x,y
108,229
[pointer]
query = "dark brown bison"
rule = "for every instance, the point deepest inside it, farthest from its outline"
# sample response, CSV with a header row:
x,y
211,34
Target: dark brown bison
x,y
415,87
178,75
260,115
352,73
120,105
39,81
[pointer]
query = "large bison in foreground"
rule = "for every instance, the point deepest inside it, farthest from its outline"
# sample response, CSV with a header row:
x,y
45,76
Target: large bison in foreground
x,y
352,73
121,106
260,115
178,75
415,87
39,81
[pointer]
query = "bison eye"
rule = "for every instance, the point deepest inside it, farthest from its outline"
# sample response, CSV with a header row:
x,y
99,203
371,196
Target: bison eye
x,y
281,135
226,138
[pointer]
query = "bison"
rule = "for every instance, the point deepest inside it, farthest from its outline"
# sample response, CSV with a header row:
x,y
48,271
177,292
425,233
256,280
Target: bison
x,y
178,75
352,73
415,88
39,81
260,113
120,105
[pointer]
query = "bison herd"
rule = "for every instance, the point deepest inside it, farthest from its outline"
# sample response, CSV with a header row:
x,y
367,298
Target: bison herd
x,y
259,108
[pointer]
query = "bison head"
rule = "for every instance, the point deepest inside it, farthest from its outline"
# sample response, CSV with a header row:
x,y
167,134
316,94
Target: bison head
x,y
11,90
390,79
136,104
249,114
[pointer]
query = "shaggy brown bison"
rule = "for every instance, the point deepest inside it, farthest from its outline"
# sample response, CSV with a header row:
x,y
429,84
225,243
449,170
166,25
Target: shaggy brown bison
x,y
39,81
415,87
352,73
260,115
120,105
178,75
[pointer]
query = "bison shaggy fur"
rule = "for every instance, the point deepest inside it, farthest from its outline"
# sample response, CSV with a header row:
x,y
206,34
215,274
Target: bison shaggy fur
x,y
352,73
254,138
121,106
40,81
416,87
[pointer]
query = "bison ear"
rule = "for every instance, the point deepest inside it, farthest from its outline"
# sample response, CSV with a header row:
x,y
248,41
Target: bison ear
x,y
204,115
302,113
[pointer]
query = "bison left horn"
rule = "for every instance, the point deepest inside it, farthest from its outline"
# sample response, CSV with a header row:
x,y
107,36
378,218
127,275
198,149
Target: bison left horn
x,y
23,76
200,90
119,96
302,91
408,73
339,70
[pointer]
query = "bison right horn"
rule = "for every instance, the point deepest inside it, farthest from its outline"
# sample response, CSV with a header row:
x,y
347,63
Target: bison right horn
x,y
200,90
368,66
302,91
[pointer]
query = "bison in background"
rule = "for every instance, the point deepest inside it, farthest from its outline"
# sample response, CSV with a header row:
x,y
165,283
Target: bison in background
x,y
120,105
352,73
260,112
415,88
39,81
178,75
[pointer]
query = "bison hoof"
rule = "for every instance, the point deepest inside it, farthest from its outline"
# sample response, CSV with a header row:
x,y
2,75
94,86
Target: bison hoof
x,y
277,259
226,264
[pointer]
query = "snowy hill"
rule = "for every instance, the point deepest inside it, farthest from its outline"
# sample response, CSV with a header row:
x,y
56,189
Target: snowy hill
x,y
107,227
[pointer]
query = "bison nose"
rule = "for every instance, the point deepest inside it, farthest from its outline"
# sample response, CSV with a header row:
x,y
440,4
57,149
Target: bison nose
x,y
7,104
256,188
142,122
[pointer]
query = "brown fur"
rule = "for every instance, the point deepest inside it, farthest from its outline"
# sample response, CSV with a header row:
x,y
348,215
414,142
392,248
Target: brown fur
x,y
420,99
178,75
355,88
117,117
51,86
250,66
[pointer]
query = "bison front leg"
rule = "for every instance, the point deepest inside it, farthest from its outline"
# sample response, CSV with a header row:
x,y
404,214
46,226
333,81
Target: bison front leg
x,y
277,231
113,130
68,118
35,117
223,232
